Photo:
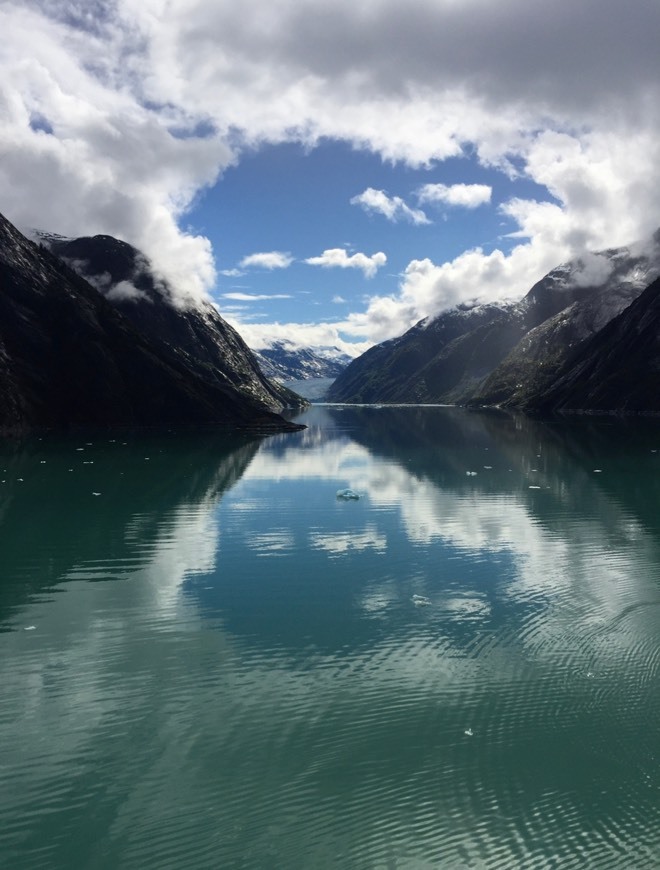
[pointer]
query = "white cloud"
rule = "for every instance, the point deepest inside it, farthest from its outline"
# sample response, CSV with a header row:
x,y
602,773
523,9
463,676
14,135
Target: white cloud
x,y
427,288
297,335
333,258
338,300
124,121
267,260
466,195
232,273
255,297
392,207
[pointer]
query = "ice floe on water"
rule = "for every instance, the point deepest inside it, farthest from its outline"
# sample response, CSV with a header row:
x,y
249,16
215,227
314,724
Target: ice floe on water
x,y
348,494
420,601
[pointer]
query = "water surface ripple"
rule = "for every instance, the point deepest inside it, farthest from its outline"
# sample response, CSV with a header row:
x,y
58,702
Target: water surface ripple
x,y
207,659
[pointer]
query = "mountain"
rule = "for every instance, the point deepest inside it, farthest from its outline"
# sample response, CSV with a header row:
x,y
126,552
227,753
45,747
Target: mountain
x,y
502,353
533,365
436,360
196,333
286,362
68,357
617,369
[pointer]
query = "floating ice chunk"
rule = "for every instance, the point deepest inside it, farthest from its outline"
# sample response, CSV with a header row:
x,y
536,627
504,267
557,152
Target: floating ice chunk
x,y
43,462
488,467
468,732
348,494
598,470
79,449
96,493
29,628
20,479
471,473
420,601
534,487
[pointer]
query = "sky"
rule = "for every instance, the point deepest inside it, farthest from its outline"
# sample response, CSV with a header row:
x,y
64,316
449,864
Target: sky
x,y
330,173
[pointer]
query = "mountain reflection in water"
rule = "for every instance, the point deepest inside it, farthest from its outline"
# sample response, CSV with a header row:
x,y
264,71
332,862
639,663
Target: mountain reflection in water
x,y
454,670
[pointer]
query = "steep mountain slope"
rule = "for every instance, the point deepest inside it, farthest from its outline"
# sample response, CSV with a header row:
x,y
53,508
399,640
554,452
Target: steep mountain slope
x,y
197,334
285,362
535,362
618,369
431,358
69,358
496,353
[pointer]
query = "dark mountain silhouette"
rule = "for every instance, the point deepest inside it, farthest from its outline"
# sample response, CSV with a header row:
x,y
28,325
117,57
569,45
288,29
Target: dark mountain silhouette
x,y
196,333
618,369
68,357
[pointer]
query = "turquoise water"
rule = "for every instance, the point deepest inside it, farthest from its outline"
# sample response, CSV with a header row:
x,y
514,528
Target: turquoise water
x,y
209,660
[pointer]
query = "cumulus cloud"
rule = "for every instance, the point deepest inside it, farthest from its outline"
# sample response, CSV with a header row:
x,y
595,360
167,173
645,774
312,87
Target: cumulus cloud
x,y
124,117
466,195
427,288
267,260
298,335
337,258
392,207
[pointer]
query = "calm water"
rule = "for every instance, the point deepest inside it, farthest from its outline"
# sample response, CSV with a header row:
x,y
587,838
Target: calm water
x,y
207,660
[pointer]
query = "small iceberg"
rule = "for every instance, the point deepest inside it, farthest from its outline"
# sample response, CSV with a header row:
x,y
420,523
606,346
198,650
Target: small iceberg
x,y
420,601
468,732
347,494
471,473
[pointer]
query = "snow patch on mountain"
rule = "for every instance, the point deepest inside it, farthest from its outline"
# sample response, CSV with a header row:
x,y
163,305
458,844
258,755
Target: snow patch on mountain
x,y
285,361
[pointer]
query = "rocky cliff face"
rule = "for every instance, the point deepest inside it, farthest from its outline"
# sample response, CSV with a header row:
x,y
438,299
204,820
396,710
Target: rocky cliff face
x,y
534,364
68,357
195,333
503,354
617,369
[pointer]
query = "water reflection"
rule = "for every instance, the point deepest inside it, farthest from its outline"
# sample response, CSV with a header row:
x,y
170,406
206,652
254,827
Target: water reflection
x,y
536,516
454,670
102,509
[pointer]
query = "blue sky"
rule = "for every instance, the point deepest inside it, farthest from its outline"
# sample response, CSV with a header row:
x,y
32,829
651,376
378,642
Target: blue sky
x,y
205,132
297,201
